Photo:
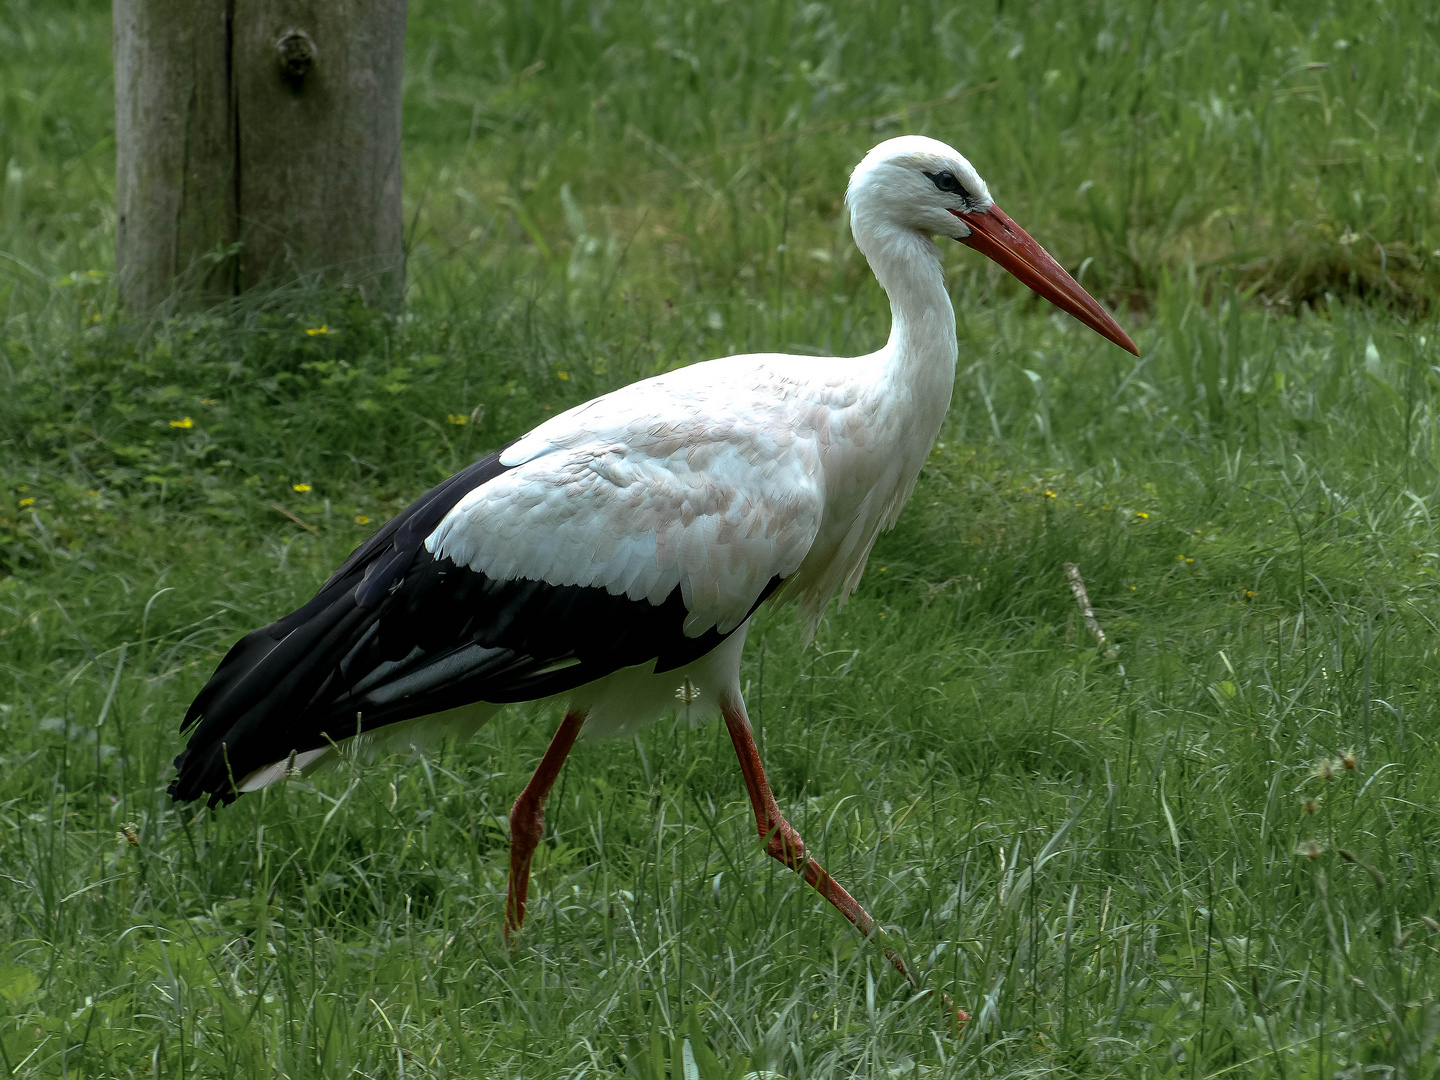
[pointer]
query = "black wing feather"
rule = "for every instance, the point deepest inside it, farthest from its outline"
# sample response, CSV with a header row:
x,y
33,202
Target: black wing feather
x,y
396,634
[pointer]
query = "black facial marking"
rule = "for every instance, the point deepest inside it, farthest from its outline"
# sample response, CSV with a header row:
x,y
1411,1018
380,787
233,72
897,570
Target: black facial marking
x,y
947,183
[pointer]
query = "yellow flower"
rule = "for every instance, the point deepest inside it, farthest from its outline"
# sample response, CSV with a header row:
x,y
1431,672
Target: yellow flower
x,y
183,422
1050,494
27,502
1141,514
457,419
302,488
315,330
563,376
361,519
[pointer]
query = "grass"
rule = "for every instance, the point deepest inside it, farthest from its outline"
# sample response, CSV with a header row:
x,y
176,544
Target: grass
x,y
1109,863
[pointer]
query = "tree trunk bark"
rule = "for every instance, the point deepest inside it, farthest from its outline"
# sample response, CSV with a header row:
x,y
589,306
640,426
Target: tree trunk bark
x,y
257,140
317,91
175,148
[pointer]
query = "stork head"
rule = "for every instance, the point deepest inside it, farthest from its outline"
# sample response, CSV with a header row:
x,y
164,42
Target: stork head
x,y
924,186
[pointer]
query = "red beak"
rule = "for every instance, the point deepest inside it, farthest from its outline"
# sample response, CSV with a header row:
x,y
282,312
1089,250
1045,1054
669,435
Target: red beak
x,y
995,236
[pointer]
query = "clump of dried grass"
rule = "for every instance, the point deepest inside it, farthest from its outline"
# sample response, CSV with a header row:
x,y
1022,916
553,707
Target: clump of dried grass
x,y
1318,265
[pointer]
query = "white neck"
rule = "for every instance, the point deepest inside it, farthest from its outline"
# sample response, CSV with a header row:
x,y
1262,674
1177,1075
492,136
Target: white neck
x,y
919,359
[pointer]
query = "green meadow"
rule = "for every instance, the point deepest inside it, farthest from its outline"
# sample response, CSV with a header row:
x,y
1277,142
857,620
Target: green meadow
x,y
1208,849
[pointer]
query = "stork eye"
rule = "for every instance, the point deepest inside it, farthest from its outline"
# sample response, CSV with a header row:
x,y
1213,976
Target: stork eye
x,y
947,183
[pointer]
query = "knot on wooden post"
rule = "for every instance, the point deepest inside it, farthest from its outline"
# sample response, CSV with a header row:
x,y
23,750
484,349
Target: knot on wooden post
x,y
297,57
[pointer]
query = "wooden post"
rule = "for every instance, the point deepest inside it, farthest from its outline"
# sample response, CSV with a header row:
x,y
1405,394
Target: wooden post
x,y
257,140
175,161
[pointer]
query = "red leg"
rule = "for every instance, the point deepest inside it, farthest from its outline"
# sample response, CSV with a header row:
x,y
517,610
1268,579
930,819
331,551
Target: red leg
x,y
527,818
783,842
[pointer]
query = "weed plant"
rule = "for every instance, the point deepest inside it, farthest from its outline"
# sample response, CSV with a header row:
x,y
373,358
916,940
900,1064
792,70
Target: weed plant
x,y
1211,854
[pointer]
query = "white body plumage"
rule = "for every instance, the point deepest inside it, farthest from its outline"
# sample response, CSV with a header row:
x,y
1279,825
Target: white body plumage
x,y
720,477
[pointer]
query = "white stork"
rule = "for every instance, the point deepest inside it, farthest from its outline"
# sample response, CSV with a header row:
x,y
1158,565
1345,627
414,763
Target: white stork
x,y
618,551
